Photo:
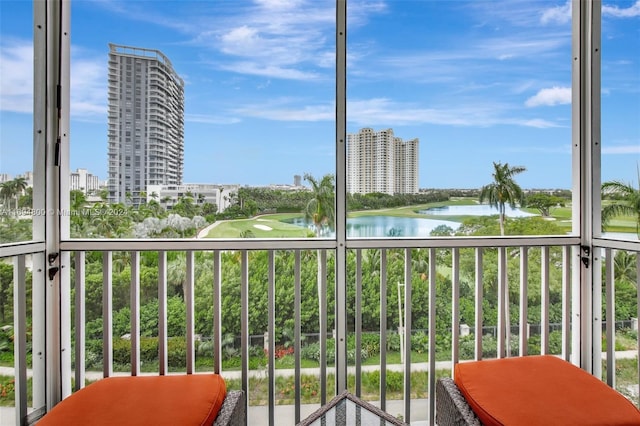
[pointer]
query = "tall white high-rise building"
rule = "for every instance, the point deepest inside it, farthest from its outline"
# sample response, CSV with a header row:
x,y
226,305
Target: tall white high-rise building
x,y
381,162
84,181
146,122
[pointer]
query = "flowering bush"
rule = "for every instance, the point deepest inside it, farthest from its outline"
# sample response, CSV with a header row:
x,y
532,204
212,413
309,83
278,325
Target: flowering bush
x,y
7,390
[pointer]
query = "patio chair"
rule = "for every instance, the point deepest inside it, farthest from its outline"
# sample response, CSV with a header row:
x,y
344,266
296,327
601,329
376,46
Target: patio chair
x,y
531,390
187,399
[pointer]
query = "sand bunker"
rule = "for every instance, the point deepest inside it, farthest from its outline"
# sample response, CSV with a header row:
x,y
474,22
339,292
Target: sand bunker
x,y
263,227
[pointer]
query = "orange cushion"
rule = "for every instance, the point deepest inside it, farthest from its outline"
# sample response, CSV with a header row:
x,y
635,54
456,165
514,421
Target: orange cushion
x,y
192,399
540,390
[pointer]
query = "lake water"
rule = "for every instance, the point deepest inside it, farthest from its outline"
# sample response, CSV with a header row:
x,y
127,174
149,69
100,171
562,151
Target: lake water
x,y
386,226
390,226
474,210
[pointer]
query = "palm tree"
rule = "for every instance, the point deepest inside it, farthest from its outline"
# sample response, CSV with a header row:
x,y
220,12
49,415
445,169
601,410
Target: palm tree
x,y
321,208
627,201
12,190
6,193
503,190
625,266
20,184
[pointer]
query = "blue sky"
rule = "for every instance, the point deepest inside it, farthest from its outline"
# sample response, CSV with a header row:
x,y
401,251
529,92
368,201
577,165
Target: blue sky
x,y
476,82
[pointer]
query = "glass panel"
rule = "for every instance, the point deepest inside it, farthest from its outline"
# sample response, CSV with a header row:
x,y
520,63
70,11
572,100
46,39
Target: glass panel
x,y
441,96
201,112
16,121
620,125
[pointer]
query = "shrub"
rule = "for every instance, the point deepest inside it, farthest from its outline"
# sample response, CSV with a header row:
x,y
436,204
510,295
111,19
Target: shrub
x,y
205,348
148,349
395,381
177,352
121,351
7,390
420,342
256,351
393,342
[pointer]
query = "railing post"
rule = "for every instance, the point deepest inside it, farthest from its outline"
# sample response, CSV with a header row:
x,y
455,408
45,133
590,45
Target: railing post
x,y
586,200
51,145
341,198
20,341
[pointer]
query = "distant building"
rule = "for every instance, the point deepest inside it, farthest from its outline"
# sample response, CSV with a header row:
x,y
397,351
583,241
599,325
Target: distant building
x,y
27,176
381,162
297,180
169,195
146,123
84,181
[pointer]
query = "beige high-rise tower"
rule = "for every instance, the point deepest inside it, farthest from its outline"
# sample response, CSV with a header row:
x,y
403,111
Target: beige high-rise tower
x,y
381,162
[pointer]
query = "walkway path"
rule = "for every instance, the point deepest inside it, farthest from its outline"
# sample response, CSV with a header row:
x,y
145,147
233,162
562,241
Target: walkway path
x,y
289,372
205,231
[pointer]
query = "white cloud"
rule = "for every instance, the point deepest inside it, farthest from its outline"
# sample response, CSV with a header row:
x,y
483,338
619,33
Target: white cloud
x,y
88,81
265,70
210,119
88,87
385,112
621,149
550,97
16,69
616,12
278,4
274,38
537,123
557,14
388,112
241,40
289,110
562,14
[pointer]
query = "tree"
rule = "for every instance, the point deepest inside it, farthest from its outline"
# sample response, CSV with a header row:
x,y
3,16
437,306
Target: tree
x,y
503,190
625,266
11,191
321,211
6,285
103,194
544,202
6,193
26,201
19,185
77,200
185,207
321,208
626,201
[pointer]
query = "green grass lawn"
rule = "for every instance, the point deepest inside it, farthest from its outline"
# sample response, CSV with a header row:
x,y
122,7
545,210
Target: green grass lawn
x,y
268,226
273,225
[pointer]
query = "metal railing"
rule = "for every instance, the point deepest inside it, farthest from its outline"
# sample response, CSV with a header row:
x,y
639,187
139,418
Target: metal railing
x,y
485,268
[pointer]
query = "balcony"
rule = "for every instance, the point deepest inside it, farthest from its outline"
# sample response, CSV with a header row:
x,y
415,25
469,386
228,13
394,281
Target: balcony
x,y
437,276
293,322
